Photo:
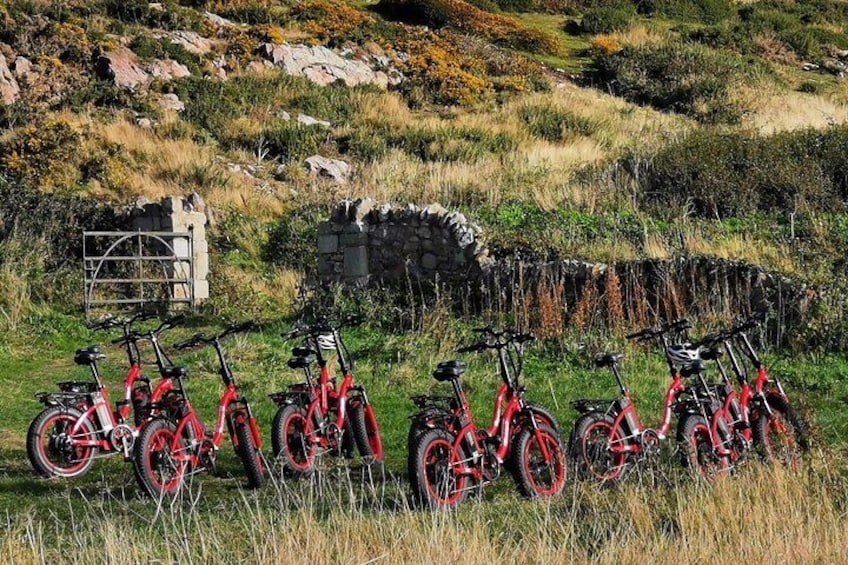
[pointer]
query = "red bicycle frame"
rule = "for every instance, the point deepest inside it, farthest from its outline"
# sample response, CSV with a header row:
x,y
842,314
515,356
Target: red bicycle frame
x,y
508,402
628,414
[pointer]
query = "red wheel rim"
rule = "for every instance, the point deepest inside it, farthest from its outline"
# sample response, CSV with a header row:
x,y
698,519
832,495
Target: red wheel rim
x,y
300,449
55,446
709,465
601,461
546,478
445,486
164,471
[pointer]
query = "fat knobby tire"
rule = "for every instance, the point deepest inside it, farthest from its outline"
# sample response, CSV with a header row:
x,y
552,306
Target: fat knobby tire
x,y
524,469
280,442
35,450
250,456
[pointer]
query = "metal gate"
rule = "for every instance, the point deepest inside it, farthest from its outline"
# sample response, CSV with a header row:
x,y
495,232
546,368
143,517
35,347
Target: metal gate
x,y
137,269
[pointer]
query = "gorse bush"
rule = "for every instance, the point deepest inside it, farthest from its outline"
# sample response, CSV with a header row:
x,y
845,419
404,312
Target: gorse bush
x,y
329,20
464,17
688,79
555,124
734,174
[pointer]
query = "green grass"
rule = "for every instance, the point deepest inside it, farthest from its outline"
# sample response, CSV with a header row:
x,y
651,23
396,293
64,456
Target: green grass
x,y
575,47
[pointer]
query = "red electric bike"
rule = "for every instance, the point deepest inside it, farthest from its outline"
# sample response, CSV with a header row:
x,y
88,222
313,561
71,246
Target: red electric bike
x,y
758,416
451,456
79,425
314,418
170,449
609,438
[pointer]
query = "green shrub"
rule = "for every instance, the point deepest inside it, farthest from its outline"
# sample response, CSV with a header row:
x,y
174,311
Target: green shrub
x,y
608,17
148,47
688,79
704,11
291,239
734,174
552,123
212,105
810,87
450,144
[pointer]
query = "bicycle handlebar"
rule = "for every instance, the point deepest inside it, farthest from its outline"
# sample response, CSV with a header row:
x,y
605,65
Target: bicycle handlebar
x,y
754,321
201,339
651,332
501,338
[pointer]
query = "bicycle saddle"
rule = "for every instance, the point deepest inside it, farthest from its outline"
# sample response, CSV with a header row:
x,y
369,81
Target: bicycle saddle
x,y
88,355
449,370
174,372
301,361
712,353
608,360
694,368
302,351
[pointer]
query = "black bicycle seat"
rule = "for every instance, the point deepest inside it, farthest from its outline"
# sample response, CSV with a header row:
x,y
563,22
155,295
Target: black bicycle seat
x,y
88,355
609,359
301,361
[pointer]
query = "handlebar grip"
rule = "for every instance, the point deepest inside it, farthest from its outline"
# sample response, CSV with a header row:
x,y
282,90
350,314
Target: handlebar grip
x,y
143,316
242,327
470,348
642,334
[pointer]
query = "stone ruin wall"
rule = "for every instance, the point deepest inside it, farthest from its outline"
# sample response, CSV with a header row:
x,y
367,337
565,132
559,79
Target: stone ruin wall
x,y
363,243
180,215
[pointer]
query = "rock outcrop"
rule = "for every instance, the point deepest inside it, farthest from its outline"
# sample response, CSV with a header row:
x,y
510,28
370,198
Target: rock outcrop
x,y
168,69
334,169
121,66
324,66
9,89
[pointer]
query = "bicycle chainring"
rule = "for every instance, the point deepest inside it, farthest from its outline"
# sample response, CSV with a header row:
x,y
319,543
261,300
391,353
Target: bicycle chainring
x,y
650,442
121,438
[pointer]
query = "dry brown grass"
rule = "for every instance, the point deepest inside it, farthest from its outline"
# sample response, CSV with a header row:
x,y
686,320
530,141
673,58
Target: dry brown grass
x,y
537,170
762,516
776,111
758,252
157,166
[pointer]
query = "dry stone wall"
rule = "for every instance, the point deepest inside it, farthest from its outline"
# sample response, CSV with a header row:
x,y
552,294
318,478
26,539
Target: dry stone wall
x,y
363,243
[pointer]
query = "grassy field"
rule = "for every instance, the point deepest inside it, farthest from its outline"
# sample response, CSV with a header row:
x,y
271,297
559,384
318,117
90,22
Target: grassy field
x,y
341,516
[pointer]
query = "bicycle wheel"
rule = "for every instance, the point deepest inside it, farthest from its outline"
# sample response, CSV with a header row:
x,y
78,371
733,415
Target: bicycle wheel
x,y
156,463
249,454
590,448
366,433
534,476
698,454
291,437
782,435
50,446
434,482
